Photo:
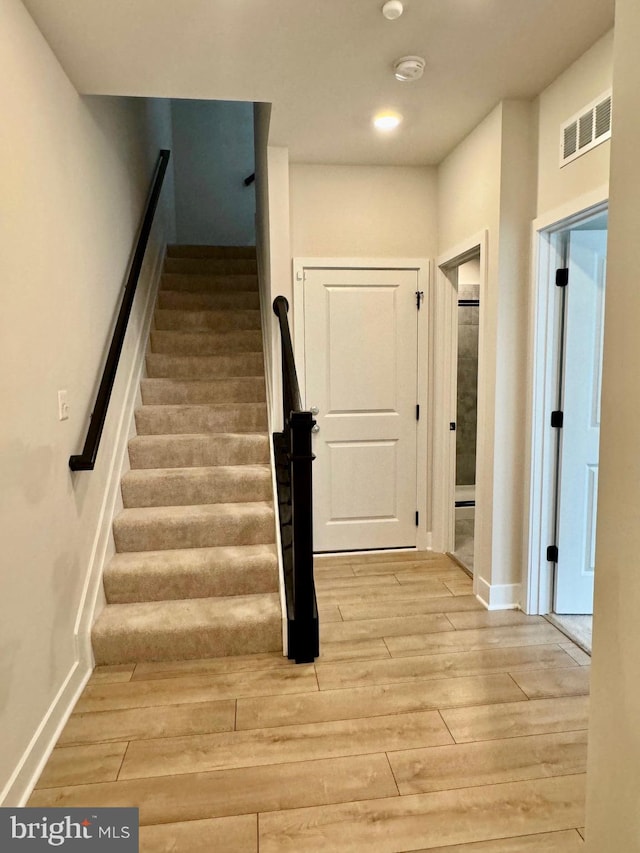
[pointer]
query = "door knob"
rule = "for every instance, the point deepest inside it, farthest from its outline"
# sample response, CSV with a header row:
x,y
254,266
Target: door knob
x,y
315,428
314,410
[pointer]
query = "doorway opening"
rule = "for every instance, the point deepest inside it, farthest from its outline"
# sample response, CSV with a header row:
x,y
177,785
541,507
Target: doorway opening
x,y
468,324
567,421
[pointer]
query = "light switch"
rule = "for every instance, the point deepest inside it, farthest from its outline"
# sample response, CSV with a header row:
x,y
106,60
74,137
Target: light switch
x,y
63,406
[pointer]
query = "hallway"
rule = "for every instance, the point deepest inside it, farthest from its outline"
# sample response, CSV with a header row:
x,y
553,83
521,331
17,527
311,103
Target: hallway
x,y
427,724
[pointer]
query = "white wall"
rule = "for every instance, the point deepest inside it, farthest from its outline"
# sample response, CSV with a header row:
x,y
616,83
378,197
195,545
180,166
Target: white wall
x,y
487,185
580,84
75,173
363,211
214,152
613,812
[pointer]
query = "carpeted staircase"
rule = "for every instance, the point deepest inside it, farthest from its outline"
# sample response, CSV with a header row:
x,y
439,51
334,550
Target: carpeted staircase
x,y
195,574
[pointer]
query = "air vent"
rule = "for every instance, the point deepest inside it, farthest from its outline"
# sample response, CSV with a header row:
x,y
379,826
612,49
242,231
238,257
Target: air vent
x,y
585,130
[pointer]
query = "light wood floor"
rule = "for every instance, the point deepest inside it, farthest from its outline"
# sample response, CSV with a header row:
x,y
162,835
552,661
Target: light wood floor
x,y
427,724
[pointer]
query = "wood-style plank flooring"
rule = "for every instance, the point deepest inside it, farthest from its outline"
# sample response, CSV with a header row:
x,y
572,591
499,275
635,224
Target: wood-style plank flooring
x,y
427,724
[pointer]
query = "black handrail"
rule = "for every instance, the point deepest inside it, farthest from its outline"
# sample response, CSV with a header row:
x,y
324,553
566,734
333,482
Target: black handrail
x,y
293,469
86,460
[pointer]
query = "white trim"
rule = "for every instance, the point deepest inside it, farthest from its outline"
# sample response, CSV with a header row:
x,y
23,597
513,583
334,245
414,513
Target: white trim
x,y
23,779
424,430
445,356
562,216
266,314
504,596
542,356
91,602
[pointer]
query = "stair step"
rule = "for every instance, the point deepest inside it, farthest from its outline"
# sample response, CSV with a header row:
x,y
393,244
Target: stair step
x,y
191,573
204,526
193,320
205,343
189,451
187,301
191,486
180,420
216,266
209,283
161,365
196,251
188,629
246,389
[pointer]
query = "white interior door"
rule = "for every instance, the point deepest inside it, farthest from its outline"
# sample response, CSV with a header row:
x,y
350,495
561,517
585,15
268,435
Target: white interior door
x,y
361,339
578,475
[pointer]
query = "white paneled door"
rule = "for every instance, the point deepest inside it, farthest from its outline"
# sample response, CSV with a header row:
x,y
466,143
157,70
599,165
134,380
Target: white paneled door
x,y
361,355
582,372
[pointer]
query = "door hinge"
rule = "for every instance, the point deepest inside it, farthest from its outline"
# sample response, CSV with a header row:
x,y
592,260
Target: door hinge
x,y
417,518
562,277
452,426
419,298
552,554
557,420
418,411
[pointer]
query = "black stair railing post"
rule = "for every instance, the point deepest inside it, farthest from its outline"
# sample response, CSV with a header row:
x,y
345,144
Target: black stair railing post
x,y
293,452
301,498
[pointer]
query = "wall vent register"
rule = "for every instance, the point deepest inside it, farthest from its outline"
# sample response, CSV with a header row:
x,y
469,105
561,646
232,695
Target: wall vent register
x,y
586,130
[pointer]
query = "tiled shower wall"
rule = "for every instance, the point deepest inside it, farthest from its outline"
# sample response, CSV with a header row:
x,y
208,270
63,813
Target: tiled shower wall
x,y
468,317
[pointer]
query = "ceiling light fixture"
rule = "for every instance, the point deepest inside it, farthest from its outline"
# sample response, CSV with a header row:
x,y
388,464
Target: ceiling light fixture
x,y
409,68
392,10
387,121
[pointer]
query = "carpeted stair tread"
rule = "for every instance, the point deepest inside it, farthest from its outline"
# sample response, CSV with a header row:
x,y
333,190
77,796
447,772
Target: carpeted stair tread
x,y
171,392
189,250
170,319
219,266
163,365
191,573
191,486
162,528
210,417
205,343
187,451
188,629
208,282
184,300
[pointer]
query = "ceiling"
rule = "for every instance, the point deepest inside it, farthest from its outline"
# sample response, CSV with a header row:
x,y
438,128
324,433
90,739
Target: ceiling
x,y
326,65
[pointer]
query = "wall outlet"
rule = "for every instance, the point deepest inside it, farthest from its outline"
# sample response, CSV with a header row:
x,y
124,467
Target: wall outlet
x,y
63,406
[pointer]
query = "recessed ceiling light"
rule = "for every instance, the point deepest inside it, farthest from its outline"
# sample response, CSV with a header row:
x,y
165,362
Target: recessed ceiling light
x,y
387,121
392,10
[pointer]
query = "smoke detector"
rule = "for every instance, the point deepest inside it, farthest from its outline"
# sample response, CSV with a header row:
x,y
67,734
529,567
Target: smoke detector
x,y
392,10
409,68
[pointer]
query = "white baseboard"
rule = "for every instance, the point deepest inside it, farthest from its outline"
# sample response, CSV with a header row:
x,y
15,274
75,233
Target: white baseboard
x,y
504,596
91,602
22,781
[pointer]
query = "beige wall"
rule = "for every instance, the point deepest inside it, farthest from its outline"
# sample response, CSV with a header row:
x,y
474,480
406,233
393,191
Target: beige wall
x,y
613,812
363,211
580,84
75,173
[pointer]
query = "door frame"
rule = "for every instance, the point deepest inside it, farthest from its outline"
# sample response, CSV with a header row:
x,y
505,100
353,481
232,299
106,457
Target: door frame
x,y
543,356
445,361
424,433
